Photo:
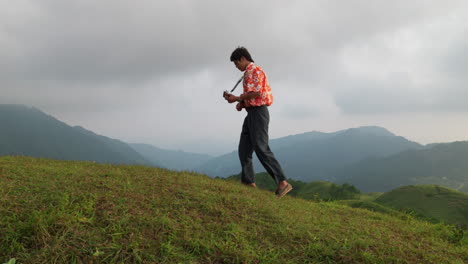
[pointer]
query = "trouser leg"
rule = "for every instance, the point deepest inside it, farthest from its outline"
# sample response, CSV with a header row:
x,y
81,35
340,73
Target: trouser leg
x,y
258,131
245,154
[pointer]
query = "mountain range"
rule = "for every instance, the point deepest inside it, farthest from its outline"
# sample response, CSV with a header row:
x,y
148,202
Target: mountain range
x,y
27,131
171,159
371,158
316,156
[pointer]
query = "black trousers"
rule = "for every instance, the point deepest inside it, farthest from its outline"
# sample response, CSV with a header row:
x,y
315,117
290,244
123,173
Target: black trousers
x,y
254,136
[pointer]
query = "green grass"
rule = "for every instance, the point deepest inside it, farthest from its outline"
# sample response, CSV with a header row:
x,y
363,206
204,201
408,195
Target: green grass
x,y
375,207
264,181
432,202
317,190
327,191
369,196
427,202
82,212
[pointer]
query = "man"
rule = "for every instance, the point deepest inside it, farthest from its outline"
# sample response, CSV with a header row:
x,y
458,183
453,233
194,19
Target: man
x,y
255,99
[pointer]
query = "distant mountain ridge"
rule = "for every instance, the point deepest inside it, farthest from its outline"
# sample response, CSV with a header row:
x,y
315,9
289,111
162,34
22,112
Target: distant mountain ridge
x,y
171,159
370,158
30,132
315,156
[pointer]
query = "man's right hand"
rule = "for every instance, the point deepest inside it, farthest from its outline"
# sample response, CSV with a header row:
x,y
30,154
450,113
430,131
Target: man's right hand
x,y
239,106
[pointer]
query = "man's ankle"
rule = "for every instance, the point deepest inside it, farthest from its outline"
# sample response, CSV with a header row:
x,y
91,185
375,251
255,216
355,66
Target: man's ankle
x,y
282,184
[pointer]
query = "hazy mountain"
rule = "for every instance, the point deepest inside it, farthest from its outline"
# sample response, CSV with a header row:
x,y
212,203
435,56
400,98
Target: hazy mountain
x,y
443,164
315,156
171,159
30,132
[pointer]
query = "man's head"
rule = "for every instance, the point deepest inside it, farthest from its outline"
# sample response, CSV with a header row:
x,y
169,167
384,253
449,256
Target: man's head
x,y
241,58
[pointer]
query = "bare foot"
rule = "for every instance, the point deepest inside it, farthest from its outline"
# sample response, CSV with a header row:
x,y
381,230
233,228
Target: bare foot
x,y
252,184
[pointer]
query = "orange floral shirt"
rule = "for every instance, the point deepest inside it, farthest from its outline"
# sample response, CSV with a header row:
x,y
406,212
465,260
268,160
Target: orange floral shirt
x,y
255,80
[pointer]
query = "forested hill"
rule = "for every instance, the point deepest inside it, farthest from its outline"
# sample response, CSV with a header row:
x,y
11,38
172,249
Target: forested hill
x,y
443,164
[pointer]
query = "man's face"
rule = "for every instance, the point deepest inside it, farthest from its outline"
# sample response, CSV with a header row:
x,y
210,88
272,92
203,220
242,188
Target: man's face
x,y
238,65
241,64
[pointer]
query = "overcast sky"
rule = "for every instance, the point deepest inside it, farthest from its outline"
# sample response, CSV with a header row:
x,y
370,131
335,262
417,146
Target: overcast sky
x,y
154,71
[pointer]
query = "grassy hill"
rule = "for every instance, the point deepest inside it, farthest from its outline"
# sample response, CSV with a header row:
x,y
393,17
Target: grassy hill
x,y
317,190
328,191
265,182
431,201
376,207
442,164
83,212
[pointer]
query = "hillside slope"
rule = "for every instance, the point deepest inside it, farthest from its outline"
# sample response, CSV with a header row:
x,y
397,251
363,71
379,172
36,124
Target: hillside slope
x,y
432,201
63,212
443,164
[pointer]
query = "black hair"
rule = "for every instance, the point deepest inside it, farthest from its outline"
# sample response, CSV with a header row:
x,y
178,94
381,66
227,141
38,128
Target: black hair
x,y
240,52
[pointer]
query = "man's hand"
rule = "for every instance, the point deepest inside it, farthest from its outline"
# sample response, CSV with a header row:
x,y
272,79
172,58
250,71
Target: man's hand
x,y
239,106
231,98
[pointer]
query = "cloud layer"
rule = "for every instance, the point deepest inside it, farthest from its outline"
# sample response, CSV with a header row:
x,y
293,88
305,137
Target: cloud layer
x,y
154,70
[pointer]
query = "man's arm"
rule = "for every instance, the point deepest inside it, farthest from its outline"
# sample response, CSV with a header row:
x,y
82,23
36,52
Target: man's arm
x,y
249,95
253,80
246,96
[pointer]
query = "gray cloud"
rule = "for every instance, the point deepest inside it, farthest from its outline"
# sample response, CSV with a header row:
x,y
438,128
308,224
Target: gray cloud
x,y
419,68
89,62
298,112
368,96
